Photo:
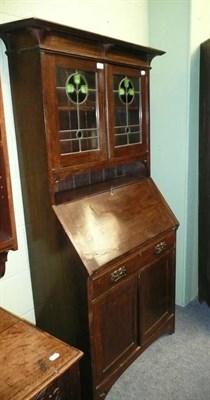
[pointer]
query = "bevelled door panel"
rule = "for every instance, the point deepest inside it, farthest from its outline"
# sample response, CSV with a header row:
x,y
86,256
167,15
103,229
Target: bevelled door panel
x,y
114,328
128,111
74,106
156,286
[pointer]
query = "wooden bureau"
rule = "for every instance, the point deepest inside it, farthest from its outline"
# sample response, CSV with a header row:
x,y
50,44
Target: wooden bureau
x,y
34,364
101,238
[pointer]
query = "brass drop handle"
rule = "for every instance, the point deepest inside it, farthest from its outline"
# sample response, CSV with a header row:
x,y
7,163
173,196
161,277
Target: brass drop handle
x,y
160,248
118,274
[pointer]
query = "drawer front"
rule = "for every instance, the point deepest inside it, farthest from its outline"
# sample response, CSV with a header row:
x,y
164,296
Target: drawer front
x,y
58,390
65,387
147,254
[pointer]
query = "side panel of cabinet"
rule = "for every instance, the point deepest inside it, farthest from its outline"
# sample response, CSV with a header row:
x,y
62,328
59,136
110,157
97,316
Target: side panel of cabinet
x,y
74,110
114,329
156,296
204,173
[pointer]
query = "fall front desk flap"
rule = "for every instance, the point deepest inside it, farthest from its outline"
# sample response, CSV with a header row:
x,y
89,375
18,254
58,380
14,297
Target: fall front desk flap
x,y
105,226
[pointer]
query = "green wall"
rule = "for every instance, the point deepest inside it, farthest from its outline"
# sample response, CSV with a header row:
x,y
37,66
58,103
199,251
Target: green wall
x,y
178,27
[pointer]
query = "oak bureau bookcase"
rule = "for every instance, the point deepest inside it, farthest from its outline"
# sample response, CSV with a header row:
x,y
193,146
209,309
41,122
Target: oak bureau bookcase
x,y
101,237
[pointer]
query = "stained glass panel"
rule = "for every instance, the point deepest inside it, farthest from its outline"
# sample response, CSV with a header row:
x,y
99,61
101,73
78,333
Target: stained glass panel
x,y
77,95
128,113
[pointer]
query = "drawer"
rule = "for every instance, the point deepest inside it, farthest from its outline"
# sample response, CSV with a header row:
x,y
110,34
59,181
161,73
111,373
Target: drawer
x,y
131,265
157,248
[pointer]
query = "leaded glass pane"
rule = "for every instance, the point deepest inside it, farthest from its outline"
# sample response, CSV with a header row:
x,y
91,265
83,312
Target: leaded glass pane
x,y
127,105
77,95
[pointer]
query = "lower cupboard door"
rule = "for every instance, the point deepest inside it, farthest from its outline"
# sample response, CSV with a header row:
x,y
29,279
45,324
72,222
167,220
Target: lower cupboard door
x,y
156,296
65,387
114,329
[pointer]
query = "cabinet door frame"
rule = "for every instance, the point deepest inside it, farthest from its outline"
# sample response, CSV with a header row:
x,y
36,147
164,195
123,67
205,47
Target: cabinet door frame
x,y
59,161
112,298
126,151
164,311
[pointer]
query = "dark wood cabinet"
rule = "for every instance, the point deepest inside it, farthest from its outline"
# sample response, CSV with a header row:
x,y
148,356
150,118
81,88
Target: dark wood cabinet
x,y
8,238
35,365
101,237
77,92
130,312
204,171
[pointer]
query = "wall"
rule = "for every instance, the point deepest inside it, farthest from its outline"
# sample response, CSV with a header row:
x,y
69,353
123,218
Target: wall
x,y
15,286
124,19
178,27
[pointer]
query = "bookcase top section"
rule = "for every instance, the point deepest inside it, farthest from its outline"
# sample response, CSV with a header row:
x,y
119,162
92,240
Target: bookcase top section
x,y
42,28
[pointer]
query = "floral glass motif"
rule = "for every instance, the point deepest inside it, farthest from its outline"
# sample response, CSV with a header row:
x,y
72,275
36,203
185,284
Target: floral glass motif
x,y
77,96
126,91
77,88
128,112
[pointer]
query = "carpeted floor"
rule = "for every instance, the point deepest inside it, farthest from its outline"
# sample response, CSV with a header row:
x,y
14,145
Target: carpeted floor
x,y
175,367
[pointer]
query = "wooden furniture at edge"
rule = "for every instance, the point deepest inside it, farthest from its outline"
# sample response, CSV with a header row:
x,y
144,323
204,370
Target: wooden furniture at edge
x,y
8,239
204,171
101,237
34,364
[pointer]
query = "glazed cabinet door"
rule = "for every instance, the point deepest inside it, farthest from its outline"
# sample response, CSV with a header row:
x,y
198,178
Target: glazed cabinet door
x,y
156,296
128,114
114,329
74,111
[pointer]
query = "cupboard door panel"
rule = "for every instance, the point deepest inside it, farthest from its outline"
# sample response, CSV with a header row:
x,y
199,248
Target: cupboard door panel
x,y
114,328
156,290
128,111
74,106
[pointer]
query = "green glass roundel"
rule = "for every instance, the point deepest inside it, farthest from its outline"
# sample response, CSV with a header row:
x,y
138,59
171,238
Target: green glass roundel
x,y
77,88
126,91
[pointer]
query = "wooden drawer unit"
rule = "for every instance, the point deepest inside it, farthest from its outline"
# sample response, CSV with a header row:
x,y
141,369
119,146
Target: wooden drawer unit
x,y
158,248
131,265
34,364
113,276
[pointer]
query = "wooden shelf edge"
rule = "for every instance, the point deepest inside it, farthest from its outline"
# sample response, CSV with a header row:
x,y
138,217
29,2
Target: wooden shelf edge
x,y
3,259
